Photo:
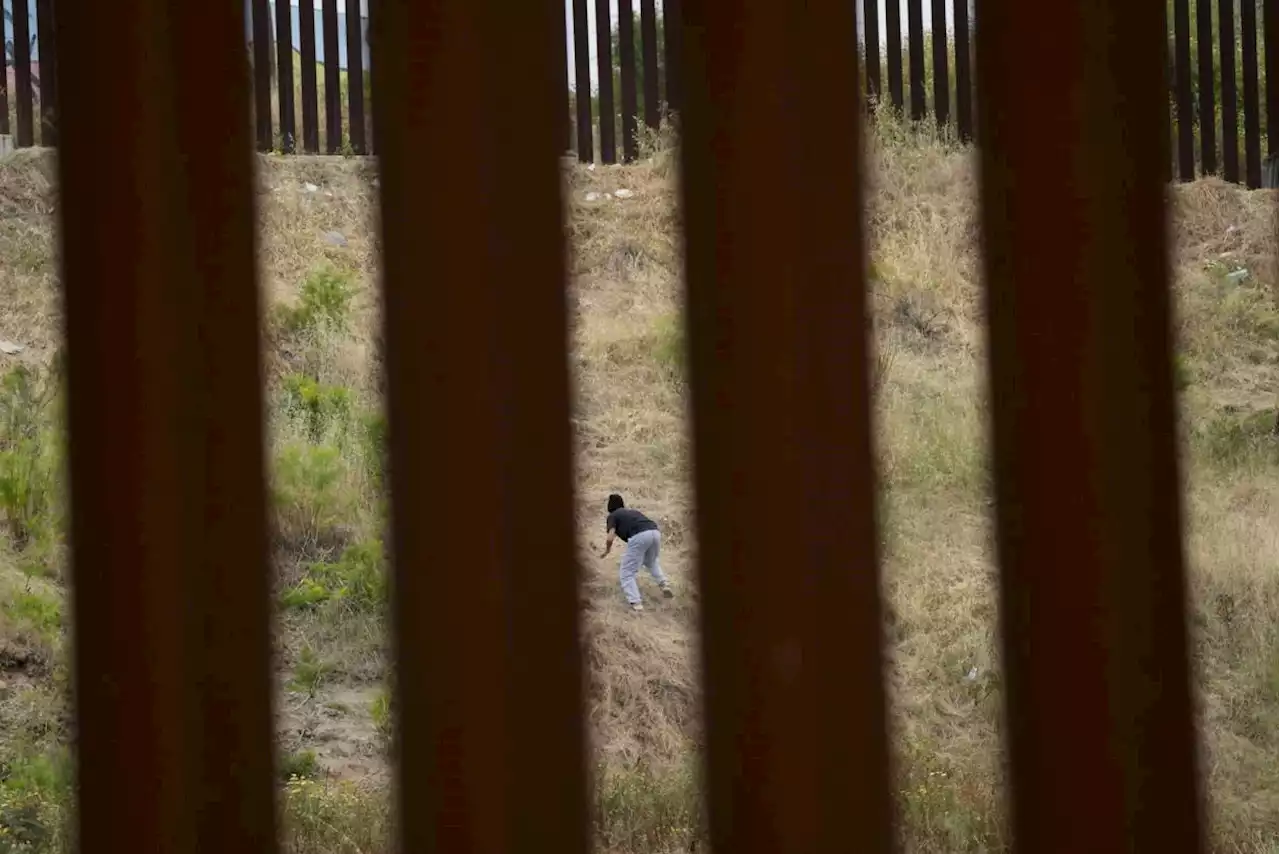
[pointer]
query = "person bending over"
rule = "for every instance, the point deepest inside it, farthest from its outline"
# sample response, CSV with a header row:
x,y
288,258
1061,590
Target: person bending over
x,y
643,542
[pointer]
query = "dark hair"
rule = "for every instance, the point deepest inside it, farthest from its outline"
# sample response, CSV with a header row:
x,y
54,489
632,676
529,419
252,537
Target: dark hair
x,y
615,502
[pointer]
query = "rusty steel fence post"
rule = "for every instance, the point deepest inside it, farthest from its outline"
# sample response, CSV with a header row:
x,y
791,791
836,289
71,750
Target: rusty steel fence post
x,y
796,744
332,77
964,72
1089,539
1227,77
489,753
582,81
1183,114
941,73
604,83
871,48
260,20
915,58
1269,54
284,76
673,53
627,77
22,90
1205,84
1249,61
310,97
46,33
649,53
893,52
355,78
169,571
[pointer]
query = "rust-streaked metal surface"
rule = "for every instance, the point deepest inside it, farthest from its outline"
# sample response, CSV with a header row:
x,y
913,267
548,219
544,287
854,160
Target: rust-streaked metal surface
x,y
489,744
791,622
1100,721
169,568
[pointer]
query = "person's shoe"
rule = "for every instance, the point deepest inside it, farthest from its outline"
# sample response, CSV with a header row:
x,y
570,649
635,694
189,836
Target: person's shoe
x,y
637,607
667,591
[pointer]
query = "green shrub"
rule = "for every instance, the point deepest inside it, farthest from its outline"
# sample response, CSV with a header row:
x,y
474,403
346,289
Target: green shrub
x,y
357,579
306,594
308,673
324,301
299,765
26,489
35,793
28,452
319,406
311,503
40,613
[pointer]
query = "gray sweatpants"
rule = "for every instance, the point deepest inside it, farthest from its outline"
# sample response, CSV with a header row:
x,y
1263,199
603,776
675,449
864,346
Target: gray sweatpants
x,y
643,549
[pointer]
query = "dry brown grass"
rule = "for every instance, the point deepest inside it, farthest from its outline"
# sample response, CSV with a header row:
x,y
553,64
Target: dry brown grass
x,y
630,428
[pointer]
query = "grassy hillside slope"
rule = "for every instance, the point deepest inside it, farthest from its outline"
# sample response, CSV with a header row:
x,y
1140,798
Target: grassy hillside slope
x,y
321,342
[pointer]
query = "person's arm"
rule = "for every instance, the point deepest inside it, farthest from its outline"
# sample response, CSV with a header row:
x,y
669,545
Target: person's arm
x,y
609,531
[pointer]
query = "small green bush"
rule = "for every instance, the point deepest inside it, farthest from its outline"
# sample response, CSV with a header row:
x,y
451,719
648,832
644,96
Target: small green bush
x,y
42,614
317,405
311,502
308,673
28,456
324,301
35,793
357,579
299,765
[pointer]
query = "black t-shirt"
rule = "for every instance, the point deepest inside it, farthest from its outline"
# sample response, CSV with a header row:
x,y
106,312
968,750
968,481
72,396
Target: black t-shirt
x,y
628,523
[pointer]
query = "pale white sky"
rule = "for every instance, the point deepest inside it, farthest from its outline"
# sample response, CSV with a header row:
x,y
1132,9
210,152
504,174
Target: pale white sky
x,y
613,19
